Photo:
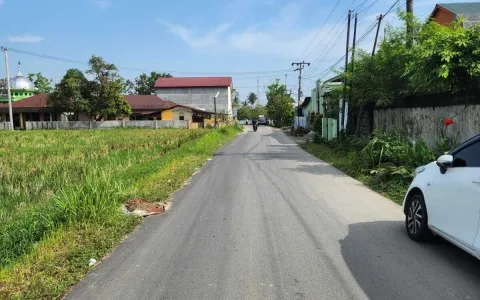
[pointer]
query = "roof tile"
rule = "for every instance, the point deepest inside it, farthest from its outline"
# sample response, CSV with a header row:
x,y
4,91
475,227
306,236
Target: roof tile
x,y
193,82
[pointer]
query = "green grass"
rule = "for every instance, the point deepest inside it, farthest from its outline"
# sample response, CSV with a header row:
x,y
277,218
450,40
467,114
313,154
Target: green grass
x,y
351,163
61,192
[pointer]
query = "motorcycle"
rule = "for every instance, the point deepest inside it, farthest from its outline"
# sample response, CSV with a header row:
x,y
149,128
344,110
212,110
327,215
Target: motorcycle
x,y
255,126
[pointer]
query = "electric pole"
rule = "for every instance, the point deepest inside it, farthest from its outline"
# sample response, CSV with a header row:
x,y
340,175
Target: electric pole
x,y
10,113
379,18
346,70
353,67
300,66
258,88
409,22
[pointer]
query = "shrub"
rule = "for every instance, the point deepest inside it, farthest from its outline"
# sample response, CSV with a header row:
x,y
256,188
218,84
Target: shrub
x,y
317,125
300,131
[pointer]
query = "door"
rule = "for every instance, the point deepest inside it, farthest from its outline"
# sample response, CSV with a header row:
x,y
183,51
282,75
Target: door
x,y
453,201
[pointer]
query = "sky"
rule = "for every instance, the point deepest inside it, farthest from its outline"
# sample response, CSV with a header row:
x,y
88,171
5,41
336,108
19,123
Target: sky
x,y
254,41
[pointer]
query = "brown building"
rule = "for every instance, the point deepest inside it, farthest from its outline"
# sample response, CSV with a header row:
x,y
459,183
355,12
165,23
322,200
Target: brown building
x,y
144,107
445,14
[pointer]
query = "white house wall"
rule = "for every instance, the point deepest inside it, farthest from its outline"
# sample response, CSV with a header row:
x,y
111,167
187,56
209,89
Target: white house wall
x,y
199,97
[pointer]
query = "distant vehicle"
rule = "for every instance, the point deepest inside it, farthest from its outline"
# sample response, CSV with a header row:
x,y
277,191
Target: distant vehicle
x,y
263,121
444,199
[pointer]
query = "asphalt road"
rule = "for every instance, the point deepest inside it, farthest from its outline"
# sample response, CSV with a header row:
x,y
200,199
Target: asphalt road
x,y
265,220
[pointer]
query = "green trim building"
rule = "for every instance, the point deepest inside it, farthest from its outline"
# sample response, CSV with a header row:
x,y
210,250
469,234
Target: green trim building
x,y
20,88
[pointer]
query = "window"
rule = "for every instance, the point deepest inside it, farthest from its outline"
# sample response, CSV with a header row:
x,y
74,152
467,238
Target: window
x,y
181,118
468,157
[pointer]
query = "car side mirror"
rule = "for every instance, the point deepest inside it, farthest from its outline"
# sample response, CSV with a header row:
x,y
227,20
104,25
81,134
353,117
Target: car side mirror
x,y
445,162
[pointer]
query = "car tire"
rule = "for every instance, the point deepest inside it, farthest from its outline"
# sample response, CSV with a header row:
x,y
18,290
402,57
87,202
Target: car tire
x,y
416,219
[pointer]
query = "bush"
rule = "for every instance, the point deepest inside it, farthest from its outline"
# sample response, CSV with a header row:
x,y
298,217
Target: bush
x,y
300,131
317,125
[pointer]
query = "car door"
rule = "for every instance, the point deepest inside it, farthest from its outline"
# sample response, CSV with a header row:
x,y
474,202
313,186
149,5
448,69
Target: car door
x,y
454,197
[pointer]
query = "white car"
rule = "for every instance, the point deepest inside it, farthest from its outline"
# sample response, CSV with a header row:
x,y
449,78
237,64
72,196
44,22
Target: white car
x,y
444,199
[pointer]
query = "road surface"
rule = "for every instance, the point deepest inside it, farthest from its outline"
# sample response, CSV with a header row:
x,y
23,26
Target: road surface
x,y
265,220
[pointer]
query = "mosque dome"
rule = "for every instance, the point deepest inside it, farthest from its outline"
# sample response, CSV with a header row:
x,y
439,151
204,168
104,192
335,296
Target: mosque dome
x,y
21,82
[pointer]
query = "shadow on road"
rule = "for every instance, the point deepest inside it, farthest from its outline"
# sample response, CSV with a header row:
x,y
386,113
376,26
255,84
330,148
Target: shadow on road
x,y
388,265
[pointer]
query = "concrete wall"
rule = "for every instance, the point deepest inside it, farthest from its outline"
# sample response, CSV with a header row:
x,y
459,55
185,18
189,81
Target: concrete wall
x,y
199,97
427,123
4,125
106,124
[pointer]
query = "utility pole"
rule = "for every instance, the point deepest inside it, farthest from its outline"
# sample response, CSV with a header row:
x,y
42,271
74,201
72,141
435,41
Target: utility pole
x,y
8,88
353,67
258,88
379,18
300,66
409,22
215,108
346,69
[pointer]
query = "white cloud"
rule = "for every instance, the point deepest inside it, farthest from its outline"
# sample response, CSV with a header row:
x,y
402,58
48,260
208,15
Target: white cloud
x,y
195,40
282,36
25,38
101,4
2,3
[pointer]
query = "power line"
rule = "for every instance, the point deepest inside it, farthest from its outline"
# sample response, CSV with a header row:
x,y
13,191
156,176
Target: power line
x,y
320,30
73,61
368,7
360,40
327,48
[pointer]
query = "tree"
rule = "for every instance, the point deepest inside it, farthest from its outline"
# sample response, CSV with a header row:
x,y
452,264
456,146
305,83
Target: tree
x,y
105,97
145,84
236,97
445,58
128,87
248,112
42,84
71,94
252,98
279,104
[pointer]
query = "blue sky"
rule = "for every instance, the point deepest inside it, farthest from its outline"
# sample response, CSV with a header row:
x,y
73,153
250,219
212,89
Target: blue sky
x,y
239,38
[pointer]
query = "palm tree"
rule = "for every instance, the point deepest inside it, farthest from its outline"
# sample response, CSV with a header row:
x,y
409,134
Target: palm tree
x,y
252,98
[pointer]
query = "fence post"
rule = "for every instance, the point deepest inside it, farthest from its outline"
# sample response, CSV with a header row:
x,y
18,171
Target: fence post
x,y
156,124
90,124
56,125
123,123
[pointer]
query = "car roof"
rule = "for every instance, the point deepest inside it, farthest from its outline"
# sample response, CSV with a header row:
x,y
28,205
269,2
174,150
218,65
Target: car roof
x,y
465,144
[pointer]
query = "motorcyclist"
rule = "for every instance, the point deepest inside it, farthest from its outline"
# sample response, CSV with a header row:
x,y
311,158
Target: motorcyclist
x,y
255,124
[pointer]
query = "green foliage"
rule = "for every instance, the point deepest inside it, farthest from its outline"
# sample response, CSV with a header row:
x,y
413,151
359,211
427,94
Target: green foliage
x,y
71,94
145,84
441,59
61,197
279,104
235,97
105,99
317,125
42,84
101,97
252,98
250,113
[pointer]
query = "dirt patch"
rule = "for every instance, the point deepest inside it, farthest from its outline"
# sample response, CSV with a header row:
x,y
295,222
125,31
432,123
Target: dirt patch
x,y
144,208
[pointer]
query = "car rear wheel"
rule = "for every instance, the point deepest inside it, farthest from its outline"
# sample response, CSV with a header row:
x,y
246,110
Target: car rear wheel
x,y
416,219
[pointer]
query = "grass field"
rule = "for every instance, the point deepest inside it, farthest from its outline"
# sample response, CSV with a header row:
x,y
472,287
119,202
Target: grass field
x,y
60,194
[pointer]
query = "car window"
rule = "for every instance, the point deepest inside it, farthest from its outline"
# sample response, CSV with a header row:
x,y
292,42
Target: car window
x,y
468,157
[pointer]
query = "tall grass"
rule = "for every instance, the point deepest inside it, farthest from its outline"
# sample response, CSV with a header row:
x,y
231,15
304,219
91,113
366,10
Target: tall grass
x,y
53,178
61,190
